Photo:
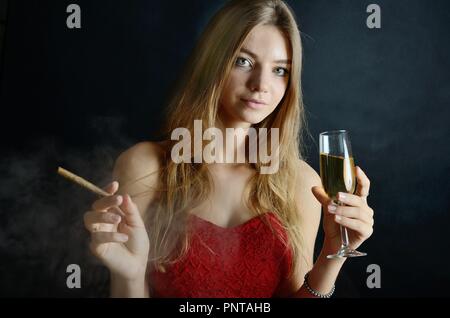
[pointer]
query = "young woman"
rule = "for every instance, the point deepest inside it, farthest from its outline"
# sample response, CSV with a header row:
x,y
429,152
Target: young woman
x,y
220,229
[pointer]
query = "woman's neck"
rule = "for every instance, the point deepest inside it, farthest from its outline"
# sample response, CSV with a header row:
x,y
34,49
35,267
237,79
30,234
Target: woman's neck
x,y
238,143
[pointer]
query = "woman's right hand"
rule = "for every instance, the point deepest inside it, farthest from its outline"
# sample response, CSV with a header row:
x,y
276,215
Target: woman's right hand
x,y
119,240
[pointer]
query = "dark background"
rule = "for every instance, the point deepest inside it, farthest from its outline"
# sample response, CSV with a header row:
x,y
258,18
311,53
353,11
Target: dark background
x,y
78,97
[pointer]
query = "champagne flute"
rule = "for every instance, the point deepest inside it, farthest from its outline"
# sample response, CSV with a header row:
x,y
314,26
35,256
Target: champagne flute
x,y
337,171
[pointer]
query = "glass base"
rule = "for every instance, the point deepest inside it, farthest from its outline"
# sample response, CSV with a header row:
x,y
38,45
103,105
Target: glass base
x,y
346,251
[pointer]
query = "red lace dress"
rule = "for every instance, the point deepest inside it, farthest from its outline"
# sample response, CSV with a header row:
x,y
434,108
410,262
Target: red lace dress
x,y
245,261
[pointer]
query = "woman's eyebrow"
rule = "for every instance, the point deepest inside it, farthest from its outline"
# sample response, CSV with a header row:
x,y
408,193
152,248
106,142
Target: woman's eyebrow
x,y
254,56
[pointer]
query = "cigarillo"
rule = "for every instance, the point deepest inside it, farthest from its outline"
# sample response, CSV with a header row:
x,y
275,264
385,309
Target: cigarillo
x,y
82,182
87,185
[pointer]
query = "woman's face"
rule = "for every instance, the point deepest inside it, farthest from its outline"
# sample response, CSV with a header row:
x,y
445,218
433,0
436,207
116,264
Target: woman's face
x,y
261,73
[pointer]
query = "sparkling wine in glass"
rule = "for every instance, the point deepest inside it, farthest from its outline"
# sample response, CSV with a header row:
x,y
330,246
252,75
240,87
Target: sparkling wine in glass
x,y
337,171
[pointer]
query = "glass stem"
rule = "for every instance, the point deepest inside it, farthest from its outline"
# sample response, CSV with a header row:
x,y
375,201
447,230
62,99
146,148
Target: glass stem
x,y
344,236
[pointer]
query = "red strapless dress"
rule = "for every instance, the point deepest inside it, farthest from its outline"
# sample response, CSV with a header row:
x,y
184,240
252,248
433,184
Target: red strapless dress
x,y
244,261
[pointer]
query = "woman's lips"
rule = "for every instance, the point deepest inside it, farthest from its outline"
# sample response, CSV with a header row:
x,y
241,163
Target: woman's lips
x,y
253,104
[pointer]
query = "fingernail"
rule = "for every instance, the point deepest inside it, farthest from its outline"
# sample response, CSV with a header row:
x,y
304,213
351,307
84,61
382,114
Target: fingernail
x,y
122,237
119,198
338,218
331,208
341,196
116,218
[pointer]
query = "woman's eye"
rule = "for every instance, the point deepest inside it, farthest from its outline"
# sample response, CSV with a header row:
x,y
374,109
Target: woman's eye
x,y
282,71
241,61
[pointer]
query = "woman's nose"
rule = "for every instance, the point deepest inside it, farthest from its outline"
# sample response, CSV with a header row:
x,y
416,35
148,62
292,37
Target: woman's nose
x,y
259,81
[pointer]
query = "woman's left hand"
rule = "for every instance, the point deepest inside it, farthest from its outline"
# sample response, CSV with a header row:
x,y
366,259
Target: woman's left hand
x,y
356,215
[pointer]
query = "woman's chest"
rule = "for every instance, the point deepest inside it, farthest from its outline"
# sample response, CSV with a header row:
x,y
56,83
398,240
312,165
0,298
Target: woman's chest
x,y
226,205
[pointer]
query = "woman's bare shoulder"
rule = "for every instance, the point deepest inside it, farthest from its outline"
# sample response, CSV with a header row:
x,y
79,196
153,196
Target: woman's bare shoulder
x,y
141,157
145,148
307,175
136,166
137,171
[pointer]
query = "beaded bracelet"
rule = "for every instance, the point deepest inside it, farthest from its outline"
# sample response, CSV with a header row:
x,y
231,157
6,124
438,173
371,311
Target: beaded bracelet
x,y
315,293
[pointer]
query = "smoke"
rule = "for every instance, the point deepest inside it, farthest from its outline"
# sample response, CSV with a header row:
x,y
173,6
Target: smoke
x,y
42,229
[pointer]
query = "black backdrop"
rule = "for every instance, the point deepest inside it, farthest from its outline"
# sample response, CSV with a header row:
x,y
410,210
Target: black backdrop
x,y
78,97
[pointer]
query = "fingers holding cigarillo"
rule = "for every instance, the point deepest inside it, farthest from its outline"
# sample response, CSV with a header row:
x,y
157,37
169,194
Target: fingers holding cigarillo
x,y
109,237
106,193
94,219
118,234
106,214
112,187
103,204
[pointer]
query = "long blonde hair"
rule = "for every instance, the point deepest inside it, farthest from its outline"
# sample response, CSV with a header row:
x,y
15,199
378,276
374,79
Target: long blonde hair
x,y
196,96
